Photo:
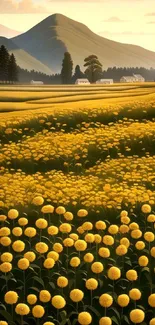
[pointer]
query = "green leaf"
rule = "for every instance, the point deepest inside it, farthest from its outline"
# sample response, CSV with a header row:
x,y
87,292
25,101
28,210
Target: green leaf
x,y
94,310
115,311
64,321
39,280
35,289
52,285
126,319
63,314
6,315
115,320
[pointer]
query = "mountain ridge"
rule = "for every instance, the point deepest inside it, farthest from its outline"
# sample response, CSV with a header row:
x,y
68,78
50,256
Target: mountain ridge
x,y
8,32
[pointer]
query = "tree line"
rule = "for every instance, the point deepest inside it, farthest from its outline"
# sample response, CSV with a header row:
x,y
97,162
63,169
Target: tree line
x,y
8,66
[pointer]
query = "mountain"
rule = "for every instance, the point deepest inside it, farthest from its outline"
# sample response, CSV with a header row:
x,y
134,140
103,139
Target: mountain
x,y
24,59
8,32
48,40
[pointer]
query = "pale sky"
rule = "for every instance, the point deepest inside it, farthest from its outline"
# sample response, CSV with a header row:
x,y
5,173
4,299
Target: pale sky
x,y
126,21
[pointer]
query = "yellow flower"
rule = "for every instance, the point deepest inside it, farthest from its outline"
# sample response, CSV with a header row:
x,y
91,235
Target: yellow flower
x,y
74,236
137,316
125,220
44,296
68,216
105,300
136,234
65,228
54,255
17,231
2,217
6,257
89,238
2,322
41,247
80,245
58,302
151,300
5,241
5,267
76,295
13,214
87,226
97,239
146,208
52,230
88,258
41,223
60,210
75,261
97,267
38,200
125,241
23,264
151,218
133,226
114,273
23,221
123,300
47,209
32,299
108,240
100,225
4,231
49,263
30,256
84,318
149,236
62,282
152,252
105,321
135,294
82,213
22,309
48,323
113,229
140,245
143,260
124,213
152,321
124,229
104,252
30,232
38,311
80,230
91,284
121,250
58,247
131,275
11,297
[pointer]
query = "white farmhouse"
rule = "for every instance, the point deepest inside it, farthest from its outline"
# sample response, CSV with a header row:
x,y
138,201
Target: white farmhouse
x,y
105,81
139,78
35,82
82,81
128,79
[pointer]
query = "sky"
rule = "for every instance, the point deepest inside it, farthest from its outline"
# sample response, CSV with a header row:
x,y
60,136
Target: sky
x,y
125,21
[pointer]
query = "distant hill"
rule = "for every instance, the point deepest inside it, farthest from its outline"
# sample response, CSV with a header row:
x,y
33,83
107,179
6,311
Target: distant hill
x,y
24,59
48,40
8,32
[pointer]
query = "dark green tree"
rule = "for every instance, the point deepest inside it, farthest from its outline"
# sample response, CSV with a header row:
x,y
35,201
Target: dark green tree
x,y
12,69
93,68
4,61
67,68
77,74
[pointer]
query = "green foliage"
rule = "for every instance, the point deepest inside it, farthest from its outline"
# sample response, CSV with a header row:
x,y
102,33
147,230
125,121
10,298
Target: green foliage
x,y
93,68
67,68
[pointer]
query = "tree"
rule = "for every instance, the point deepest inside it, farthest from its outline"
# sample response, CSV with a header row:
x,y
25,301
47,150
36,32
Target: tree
x,y
94,68
67,68
77,74
12,69
4,61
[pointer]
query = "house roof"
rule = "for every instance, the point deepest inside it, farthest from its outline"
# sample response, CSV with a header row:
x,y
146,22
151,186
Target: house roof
x,y
82,79
138,76
128,77
105,80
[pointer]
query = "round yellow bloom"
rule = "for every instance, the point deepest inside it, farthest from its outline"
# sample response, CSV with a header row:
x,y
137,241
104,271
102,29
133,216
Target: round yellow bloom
x,y
151,300
75,261
13,214
22,309
30,232
140,245
44,296
84,318
108,240
11,297
3,218
80,230
52,230
135,294
68,242
38,311
124,229
60,210
104,252
88,258
143,260
23,264
82,213
74,236
151,218
97,267
125,220
2,322
125,241
41,223
76,295
5,267
121,250
38,200
97,239
152,252
134,226
62,282
49,263
89,238
113,229
91,284
68,216
32,299
54,255
124,213
136,234
47,209
17,231
137,316
4,231
23,221
6,257
48,323
65,228
5,241
131,275
146,208
58,302
149,236
87,226
123,300
30,256
41,247
80,245
105,321
114,273
100,225
106,300
152,321
58,247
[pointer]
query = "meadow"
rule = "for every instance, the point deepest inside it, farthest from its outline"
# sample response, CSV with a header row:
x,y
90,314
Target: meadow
x,y
77,205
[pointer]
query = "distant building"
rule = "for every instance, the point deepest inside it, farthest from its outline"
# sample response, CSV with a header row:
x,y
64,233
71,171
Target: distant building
x,y
82,81
35,82
139,78
105,81
134,78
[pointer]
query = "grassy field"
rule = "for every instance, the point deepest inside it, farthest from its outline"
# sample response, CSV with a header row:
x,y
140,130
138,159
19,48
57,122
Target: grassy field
x,y
77,205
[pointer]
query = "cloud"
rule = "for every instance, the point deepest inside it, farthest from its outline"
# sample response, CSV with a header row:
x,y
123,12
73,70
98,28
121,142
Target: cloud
x,y
151,22
115,20
22,7
150,14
